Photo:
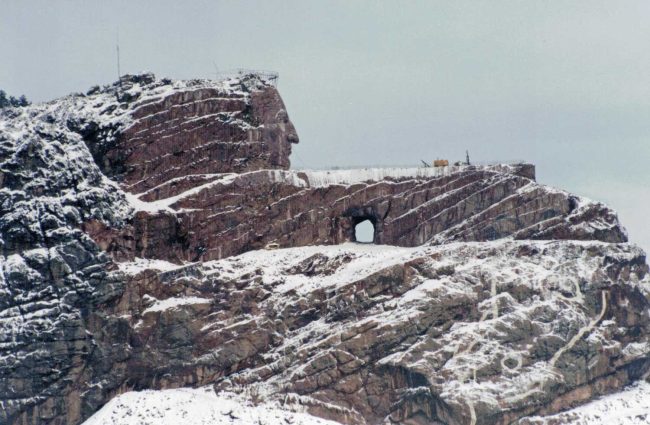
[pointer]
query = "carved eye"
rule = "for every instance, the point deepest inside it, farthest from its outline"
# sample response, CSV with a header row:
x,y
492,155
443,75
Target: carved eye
x,y
282,116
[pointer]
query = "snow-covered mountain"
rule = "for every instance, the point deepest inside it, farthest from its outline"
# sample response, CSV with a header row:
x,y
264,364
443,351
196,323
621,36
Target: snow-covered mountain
x,y
133,224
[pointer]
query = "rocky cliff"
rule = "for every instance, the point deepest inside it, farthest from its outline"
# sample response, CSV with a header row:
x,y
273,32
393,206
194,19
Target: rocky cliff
x,y
231,214
133,220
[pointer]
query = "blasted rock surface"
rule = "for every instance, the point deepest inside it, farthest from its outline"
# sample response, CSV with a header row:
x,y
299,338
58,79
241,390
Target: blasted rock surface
x,y
200,128
230,214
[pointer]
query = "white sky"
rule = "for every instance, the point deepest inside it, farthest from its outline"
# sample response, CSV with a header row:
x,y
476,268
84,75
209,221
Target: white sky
x,y
565,85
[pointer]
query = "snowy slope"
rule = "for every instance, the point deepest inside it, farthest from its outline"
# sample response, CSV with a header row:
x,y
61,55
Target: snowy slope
x,y
200,406
630,406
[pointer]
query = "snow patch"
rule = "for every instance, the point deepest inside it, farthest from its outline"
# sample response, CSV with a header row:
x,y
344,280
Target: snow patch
x,y
140,264
200,406
627,407
162,305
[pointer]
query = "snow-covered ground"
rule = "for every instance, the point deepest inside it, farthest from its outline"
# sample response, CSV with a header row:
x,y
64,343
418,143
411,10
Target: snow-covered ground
x,y
364,259
628,407
140,264
200,406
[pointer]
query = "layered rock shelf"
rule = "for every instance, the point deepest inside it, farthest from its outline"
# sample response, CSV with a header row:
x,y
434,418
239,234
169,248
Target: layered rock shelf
x,y
230,214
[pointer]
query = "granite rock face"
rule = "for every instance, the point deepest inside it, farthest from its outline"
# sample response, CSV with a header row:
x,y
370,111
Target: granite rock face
x,y
232,214
52,273
198,128
461,333
207,165
132,222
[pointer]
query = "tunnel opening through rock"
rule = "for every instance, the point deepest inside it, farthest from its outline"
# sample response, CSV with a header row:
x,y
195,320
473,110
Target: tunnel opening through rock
x,y
364,231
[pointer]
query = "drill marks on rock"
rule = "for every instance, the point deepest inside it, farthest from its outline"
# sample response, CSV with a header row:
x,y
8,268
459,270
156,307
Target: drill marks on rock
x,y
494,311
506,362
555,376
512,361
583,331
472,413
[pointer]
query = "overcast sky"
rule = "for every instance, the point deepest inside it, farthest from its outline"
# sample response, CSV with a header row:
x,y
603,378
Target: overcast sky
x,y
562,84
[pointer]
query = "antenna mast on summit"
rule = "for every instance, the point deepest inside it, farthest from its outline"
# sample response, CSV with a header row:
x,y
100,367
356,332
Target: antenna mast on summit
x,y
216,70
119,74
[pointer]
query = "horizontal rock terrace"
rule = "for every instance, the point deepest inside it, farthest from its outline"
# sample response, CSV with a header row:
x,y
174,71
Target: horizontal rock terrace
x,y
211,216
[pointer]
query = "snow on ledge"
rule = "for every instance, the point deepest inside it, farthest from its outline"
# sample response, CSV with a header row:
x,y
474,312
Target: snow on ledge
x,y
141,264
321,178
162,305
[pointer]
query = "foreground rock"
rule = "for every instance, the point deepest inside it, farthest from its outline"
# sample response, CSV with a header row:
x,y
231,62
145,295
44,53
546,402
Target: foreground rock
x,y
461,334
52,273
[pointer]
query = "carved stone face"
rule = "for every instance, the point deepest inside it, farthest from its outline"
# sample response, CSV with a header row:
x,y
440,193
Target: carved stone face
x,y
278,131
286,136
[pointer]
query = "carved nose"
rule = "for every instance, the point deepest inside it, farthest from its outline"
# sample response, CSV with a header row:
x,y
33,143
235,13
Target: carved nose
x,y
292,138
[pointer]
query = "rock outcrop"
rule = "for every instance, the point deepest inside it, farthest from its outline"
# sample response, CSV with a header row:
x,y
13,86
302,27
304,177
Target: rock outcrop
x,y
52,273
197,127
131,224
231,214
461,333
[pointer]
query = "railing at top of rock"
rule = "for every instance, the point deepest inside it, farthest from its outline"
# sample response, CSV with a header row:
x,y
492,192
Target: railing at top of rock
x,y
349,175
270,76
503,162
410,166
